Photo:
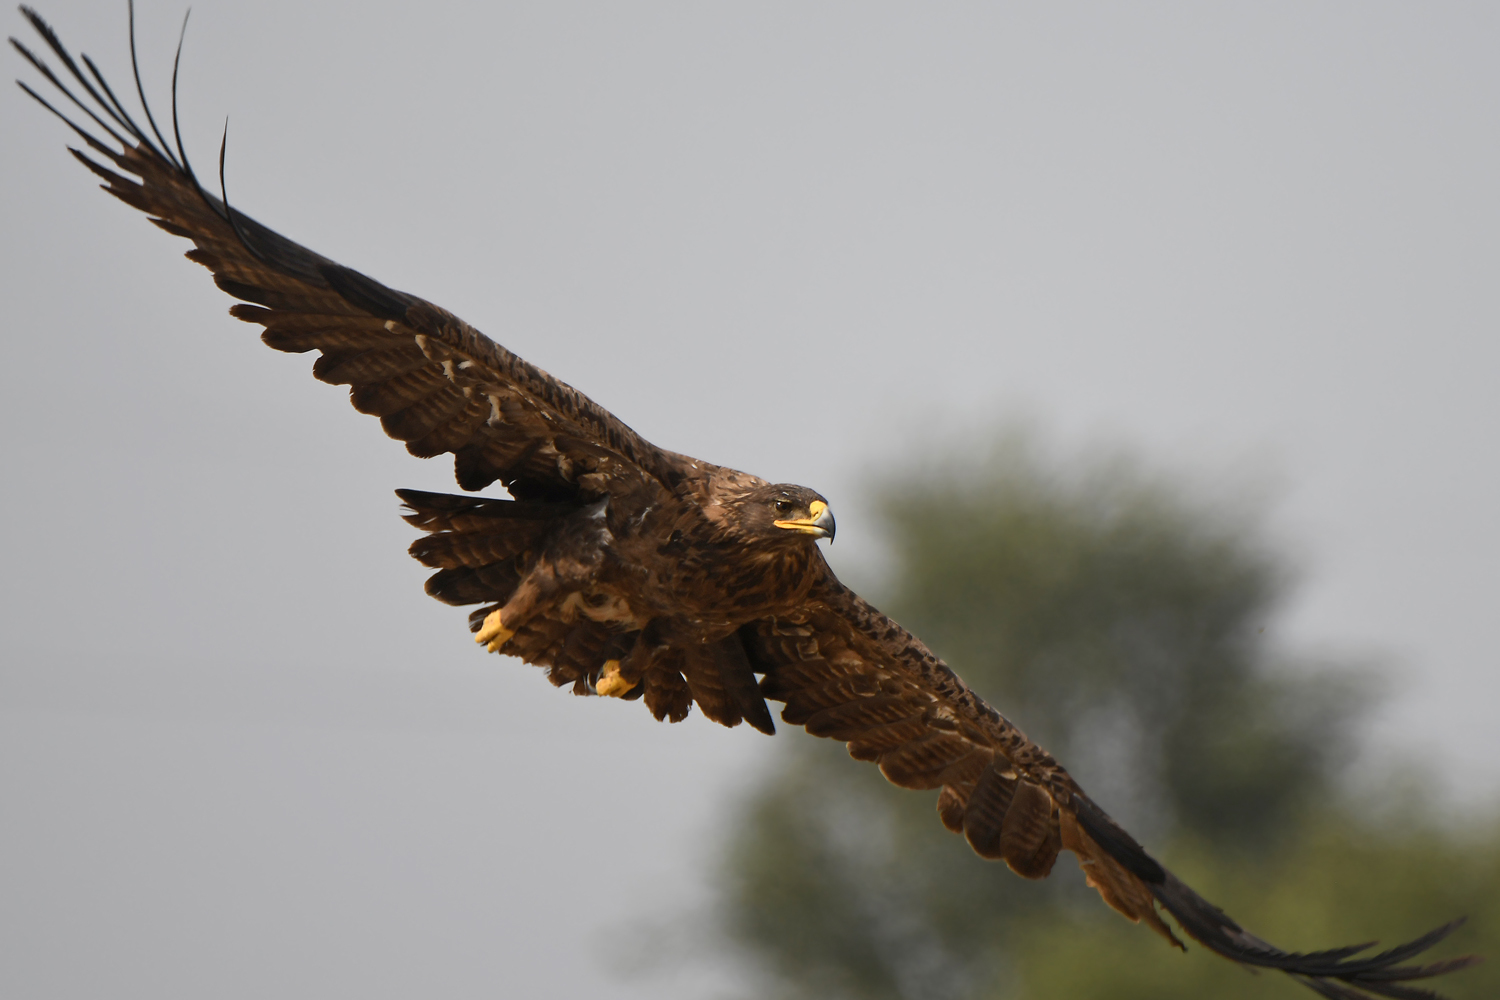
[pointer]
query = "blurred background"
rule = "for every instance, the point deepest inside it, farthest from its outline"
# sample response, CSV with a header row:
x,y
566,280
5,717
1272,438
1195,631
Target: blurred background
x,y
1183,317
1125,620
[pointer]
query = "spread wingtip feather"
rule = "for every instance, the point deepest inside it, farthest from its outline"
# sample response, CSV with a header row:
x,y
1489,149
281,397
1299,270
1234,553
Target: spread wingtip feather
x,y
1333,972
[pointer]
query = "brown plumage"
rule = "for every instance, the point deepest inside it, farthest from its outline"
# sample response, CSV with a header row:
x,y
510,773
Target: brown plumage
x,y
627,570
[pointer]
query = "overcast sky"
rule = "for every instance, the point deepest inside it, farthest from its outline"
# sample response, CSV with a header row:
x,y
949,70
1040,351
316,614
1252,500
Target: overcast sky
x,y
241,755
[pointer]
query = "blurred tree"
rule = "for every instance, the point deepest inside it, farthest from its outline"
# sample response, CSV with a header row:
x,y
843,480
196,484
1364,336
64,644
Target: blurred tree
x,y
1122,627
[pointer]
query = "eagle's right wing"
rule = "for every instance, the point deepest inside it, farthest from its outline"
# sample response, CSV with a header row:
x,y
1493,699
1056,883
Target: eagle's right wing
x,y
848,672
435,382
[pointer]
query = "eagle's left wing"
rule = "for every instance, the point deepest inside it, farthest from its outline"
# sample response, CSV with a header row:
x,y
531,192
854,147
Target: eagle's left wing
x,y
435,382
847,672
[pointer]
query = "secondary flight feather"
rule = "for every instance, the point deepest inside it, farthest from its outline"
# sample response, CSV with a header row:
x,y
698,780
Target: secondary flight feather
x,y
633,572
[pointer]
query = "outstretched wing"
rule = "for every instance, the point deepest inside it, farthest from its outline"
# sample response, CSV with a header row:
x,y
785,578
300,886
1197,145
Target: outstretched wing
x,y
847,672
435,382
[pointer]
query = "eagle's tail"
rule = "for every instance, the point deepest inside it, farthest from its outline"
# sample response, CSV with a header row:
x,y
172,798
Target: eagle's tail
x,y
477,544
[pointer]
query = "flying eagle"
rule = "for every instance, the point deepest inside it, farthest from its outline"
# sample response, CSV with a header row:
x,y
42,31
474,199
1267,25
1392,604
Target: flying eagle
x,y
633,572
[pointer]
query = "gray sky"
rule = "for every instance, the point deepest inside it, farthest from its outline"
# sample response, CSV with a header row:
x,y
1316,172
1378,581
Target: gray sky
x,y
242,755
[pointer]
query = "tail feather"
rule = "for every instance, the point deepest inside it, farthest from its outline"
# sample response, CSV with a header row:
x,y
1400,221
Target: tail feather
x,y
474,542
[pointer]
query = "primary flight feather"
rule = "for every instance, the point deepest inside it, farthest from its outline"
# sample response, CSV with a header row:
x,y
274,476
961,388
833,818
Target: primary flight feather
x,y
634,572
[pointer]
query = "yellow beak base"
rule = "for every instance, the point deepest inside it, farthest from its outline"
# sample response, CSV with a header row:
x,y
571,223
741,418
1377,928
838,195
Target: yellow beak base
x,y
819,522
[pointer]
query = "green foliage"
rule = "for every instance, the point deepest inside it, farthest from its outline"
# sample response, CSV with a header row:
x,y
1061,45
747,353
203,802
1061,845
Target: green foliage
x,y
1124,629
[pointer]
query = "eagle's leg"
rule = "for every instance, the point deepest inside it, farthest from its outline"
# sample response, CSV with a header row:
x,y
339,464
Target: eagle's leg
x,y
493,634
620,677
533,593
568,562
649,644
613,683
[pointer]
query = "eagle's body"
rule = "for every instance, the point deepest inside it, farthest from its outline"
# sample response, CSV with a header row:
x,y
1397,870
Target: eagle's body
x,y
632,571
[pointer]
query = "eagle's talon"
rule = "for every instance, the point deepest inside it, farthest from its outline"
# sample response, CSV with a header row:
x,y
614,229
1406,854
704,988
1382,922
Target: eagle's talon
x,y
492,634
612,683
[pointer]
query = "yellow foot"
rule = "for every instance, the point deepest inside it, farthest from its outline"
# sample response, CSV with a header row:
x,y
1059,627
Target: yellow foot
x,y
611,683
492,635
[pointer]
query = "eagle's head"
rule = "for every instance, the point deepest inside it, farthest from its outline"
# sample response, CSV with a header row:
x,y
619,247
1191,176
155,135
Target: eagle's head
x,y
781,513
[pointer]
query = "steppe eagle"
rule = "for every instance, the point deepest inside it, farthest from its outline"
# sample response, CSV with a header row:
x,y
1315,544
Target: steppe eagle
x,y
634,572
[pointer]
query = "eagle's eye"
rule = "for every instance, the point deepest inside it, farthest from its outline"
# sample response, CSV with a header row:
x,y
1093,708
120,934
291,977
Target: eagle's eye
x,y
783,506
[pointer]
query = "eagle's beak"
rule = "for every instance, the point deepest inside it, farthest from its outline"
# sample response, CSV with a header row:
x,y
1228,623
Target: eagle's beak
x,y
819,524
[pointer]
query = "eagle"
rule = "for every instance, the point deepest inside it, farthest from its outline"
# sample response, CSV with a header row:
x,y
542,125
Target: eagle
x,y
633,572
